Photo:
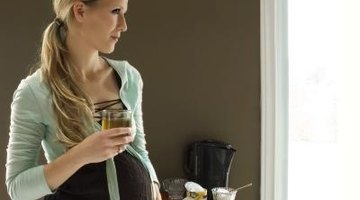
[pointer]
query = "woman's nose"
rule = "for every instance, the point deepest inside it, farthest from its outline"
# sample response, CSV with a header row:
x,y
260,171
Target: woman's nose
x,y
122,23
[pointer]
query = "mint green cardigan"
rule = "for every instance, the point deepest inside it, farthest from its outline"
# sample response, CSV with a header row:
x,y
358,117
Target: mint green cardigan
x,y
33,124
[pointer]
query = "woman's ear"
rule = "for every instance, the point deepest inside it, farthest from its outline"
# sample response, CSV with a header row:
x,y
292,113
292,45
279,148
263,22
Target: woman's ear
x,y
79,10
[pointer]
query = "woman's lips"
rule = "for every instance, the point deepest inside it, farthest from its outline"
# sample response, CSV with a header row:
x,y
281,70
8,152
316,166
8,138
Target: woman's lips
x,y
116,38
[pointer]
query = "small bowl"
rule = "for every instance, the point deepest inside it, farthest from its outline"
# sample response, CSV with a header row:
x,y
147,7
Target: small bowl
x,y
175,187
223,193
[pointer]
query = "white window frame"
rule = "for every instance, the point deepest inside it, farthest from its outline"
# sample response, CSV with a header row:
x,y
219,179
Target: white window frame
x,y
274,99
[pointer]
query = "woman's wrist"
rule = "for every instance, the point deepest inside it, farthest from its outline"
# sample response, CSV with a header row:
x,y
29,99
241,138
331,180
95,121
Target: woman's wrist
x,y
76,157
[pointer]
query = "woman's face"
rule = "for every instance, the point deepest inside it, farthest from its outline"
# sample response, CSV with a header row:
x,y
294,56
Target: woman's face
x,y
103,24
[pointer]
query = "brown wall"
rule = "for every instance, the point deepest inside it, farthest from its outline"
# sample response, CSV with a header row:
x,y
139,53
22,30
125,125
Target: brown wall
x,y
200,61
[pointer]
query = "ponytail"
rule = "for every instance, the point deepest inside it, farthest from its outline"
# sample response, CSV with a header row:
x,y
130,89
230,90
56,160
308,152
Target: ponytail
x,y
72,108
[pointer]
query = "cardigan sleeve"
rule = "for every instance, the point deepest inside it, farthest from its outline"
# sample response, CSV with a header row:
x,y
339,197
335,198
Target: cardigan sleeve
x,y
139,143
25,179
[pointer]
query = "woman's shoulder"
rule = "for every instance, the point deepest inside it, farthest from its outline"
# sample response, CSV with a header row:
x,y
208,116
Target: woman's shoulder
x,y
34,85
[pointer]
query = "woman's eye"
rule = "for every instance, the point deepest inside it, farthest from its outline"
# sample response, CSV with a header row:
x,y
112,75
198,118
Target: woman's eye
x,y
116,11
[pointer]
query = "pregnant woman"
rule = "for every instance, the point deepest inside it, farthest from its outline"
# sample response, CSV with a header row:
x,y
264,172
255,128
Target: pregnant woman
x,y
57,108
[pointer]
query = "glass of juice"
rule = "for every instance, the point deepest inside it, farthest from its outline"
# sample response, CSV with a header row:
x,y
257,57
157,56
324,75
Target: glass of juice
x,y
115,119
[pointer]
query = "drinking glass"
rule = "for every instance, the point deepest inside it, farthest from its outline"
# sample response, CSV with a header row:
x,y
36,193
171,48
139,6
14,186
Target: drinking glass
x,y
115,119
175,187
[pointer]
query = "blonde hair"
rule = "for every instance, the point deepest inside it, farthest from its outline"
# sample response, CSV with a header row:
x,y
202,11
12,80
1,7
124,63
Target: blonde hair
x,y
72,107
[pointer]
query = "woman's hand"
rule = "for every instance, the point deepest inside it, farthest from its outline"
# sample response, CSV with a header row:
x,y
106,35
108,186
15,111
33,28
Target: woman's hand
x,y
156,191
95,148
103,145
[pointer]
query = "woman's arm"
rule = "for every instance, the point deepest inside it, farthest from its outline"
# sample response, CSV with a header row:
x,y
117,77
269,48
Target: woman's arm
x,y
58,171
96,148
25,179
139,143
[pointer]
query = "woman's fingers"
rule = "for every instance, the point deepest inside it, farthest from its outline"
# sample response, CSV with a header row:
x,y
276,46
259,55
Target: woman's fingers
x,y
122,140
120,149
114,132
156,193
105,144
118,137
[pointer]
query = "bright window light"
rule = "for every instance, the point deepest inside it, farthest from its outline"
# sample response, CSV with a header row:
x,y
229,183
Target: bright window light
x,y
324,99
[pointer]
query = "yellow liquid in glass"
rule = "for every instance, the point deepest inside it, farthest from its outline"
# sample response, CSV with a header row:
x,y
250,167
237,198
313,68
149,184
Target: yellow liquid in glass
x,y
115,123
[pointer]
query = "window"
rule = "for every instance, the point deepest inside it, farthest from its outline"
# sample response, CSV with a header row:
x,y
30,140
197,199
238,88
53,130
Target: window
x,y
310,99
313,33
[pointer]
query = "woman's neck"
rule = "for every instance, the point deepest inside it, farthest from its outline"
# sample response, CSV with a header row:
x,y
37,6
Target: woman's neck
x,y
86,60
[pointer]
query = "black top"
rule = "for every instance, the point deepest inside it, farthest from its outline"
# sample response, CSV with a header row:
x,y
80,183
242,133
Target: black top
x,y
90,182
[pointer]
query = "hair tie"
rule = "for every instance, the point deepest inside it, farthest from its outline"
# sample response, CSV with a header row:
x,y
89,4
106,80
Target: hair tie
x,y
60,28
58,21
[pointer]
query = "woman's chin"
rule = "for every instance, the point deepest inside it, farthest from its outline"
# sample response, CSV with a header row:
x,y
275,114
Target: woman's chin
x,y
107,50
